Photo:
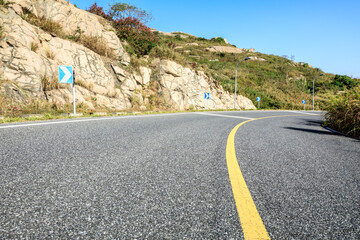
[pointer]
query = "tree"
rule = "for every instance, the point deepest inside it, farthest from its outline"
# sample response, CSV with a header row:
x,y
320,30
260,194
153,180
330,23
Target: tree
x,y
121,10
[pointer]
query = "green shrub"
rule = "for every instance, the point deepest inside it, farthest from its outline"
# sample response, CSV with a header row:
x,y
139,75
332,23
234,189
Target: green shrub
x,y
343,113
218,40
344,81
202,39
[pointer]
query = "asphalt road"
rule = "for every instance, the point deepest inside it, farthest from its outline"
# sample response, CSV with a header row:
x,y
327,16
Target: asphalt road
x,y
166,177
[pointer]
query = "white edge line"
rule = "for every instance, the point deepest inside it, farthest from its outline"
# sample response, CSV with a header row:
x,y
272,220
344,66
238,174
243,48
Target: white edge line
x,y
87,120
314,114
226,116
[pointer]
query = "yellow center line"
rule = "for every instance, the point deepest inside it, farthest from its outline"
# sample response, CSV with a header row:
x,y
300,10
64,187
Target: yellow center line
x,y
251,222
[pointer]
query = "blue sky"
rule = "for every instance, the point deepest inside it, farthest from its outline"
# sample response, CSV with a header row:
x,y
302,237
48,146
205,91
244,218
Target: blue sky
x,y
323,33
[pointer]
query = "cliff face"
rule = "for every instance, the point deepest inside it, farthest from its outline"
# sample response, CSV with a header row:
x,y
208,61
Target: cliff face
x,y
30,58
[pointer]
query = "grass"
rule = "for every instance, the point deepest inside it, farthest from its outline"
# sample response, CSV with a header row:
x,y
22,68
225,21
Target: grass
x,y
49,83
84,84
50,54
164,52
1,31
34,46
57,114
344,113
5,3
93,43
47,25
97,45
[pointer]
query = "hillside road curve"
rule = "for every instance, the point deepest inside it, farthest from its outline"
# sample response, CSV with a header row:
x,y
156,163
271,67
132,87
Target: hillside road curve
x,y
167,177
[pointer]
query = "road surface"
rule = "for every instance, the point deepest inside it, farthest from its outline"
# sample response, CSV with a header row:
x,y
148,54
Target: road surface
x,y
167,177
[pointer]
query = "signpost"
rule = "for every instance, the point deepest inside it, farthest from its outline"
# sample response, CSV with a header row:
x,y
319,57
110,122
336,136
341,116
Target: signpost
x,y
66,75
304,102
207,97
258,99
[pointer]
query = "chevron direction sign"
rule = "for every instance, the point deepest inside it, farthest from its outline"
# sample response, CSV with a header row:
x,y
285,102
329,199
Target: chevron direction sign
x,y
207,96
66,74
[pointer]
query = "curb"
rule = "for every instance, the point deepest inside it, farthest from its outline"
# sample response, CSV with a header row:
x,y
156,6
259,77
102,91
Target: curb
x,y
340,133
334,131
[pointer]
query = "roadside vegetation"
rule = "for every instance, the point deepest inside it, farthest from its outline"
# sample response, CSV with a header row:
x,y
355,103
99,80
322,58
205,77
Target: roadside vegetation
x,y
129,24
343,113
94,43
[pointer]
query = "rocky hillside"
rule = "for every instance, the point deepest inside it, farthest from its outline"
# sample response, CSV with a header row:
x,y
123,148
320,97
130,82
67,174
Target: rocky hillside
x,y
281,82
37,36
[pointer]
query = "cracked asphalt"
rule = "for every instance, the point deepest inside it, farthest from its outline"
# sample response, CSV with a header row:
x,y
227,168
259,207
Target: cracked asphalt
x,y
165,177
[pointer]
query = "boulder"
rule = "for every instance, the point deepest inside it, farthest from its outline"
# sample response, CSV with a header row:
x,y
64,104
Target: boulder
x,y
146,75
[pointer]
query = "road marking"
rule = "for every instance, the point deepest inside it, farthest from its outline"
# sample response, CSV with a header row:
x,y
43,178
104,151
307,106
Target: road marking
x,y
226,116
251,222
87,120
314,114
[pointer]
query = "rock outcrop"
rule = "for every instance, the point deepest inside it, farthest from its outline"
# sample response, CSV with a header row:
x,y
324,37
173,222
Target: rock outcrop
x,y
185,88
173,34
30,58
225,49
71,18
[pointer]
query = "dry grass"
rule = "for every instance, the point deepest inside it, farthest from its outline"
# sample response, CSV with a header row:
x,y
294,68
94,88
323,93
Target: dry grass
x,y
1,31
84,84
34,46
49,83
344,113
50,54
47,25
4,103
5,3
97,45
164,52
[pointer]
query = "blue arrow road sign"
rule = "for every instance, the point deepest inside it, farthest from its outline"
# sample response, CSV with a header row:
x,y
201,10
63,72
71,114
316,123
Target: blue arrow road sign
x,y
303,101
207,95
66,74
258,99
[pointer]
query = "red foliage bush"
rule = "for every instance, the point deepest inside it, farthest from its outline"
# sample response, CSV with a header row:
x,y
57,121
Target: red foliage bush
x,y
136,33
131,29
99,11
